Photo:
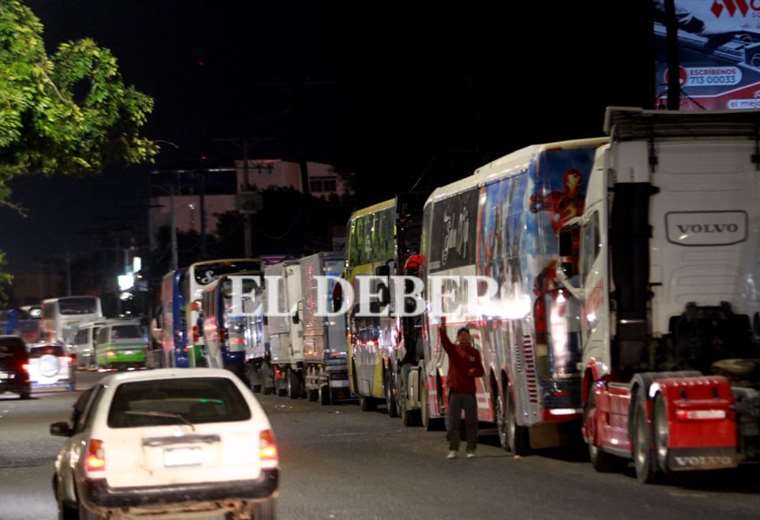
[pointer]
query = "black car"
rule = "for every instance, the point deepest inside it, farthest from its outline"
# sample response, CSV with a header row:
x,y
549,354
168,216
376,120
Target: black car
x,y
14,367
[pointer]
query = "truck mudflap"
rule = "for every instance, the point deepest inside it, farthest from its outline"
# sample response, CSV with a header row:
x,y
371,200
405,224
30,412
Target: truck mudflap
x,y
687,459
695,422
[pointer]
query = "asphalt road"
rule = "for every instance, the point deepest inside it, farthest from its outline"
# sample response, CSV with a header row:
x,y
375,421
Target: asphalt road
x,y
340,463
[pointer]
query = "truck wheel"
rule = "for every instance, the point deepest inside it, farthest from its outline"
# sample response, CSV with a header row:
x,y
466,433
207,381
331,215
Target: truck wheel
x,y
367,404
390,401
294,388
661,433
643,452
518,437
325,398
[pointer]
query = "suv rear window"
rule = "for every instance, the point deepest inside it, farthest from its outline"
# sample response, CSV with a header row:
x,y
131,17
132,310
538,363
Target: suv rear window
x,y
47,350
197,400
12,352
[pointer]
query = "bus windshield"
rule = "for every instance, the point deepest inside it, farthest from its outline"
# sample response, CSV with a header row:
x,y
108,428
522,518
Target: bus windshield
x,y
207,273
70,306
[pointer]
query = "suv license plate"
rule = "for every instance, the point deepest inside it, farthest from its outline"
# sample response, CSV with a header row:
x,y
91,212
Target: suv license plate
x,y
183,457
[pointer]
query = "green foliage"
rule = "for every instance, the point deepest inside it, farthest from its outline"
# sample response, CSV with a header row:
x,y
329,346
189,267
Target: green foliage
x,y
69,113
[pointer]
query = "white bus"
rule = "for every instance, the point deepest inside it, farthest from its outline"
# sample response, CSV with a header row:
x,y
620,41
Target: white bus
x,y
197,276
61,317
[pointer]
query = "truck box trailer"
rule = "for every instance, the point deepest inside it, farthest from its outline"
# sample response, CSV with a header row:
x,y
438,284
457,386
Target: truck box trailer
x,y
324,337
664,261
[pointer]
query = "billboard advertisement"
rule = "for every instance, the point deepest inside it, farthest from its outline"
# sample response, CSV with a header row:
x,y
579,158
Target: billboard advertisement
x,y
719,48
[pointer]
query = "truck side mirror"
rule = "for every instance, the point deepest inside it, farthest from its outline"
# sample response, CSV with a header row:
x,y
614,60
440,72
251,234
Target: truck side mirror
x,y
567,239
296,318
383,270
337,298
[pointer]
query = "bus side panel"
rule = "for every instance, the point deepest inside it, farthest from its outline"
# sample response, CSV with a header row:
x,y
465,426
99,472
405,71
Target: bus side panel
x,y
451,252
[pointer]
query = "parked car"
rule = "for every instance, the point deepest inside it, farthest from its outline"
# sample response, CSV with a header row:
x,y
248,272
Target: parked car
x,y
170,441
51,366
121,345
14,367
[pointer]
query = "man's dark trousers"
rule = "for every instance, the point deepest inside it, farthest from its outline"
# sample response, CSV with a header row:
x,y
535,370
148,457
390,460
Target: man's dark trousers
x,y
457,403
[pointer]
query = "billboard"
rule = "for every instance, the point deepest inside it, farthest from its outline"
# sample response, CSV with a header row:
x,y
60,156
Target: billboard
x,y
719,48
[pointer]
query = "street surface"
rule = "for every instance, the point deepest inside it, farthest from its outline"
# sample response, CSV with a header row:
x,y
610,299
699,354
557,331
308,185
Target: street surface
x,y
341,463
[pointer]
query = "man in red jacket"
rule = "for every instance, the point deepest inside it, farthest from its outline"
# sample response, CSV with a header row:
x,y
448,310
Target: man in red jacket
x,y
464,367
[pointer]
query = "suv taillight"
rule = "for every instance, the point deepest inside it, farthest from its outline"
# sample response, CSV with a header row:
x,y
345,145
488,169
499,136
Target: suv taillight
x,y
95,458
268,453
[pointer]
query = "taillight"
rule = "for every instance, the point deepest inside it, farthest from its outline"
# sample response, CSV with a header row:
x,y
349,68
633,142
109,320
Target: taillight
x,y
196,334
68,359
95,460
25,367
268,450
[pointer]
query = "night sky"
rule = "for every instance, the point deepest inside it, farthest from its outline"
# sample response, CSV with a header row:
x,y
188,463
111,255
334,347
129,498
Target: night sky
x,y
386,90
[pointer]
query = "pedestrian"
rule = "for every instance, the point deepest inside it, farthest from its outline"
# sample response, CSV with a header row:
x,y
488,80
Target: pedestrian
x,y
464,367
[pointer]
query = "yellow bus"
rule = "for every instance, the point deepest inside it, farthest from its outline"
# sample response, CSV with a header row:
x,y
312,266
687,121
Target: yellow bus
x,y
379,240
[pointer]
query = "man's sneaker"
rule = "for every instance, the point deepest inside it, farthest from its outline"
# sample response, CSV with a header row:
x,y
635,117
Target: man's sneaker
x,y
452,455
470,454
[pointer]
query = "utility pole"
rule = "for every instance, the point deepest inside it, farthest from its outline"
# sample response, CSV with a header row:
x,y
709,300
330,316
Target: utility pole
x,y
173,230
247,218
674,62
68,273
202,194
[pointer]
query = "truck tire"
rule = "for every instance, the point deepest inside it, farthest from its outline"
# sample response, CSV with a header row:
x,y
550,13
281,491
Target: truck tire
x,y
661,433
294,385
643,449
518,437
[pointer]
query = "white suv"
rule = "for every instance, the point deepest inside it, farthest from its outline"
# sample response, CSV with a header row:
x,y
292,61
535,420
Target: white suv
x,y
50,366
178,442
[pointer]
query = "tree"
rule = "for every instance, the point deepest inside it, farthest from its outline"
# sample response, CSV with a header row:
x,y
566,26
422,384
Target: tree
x,y
69,113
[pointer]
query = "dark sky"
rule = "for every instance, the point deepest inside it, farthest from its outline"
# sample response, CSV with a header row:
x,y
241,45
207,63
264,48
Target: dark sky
x,y
383,89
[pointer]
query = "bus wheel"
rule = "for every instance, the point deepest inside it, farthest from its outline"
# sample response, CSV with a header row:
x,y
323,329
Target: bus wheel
x,y
408,417
390,401
518,437
367,404
643,452
325,397
430,424
501,420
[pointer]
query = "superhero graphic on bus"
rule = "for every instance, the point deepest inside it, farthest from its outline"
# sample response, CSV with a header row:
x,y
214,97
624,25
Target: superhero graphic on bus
x,y
562,205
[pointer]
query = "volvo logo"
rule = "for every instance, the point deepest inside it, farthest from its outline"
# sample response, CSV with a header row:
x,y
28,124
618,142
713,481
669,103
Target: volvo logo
x,y
706,228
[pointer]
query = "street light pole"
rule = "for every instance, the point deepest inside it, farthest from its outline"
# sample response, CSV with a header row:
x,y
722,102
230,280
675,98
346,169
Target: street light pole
x,y
202,182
